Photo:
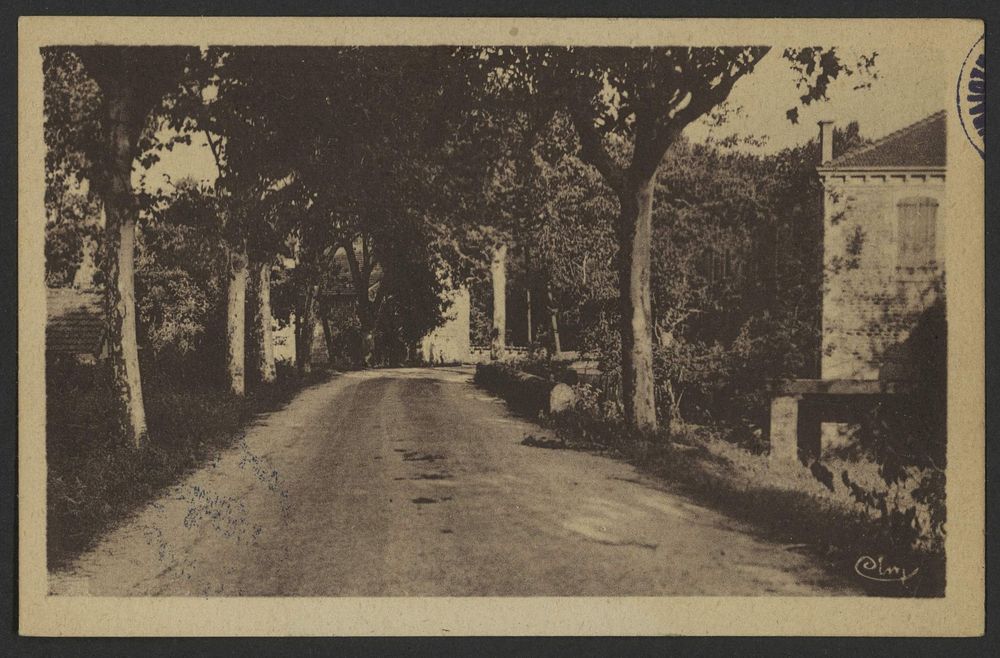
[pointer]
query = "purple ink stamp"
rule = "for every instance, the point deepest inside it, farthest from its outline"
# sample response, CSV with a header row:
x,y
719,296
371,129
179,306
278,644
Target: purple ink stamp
x,y
971,96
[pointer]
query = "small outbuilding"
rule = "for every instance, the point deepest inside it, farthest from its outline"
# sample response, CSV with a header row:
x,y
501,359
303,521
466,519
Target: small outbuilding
x,y
75,326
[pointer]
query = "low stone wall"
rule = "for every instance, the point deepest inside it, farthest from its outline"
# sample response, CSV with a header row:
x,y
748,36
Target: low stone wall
x,y
525,393
480,354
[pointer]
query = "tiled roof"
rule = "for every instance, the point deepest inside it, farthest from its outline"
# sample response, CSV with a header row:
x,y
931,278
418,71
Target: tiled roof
x,y
75,321
922,144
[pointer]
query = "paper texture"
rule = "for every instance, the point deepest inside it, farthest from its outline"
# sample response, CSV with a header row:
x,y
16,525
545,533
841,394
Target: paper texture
x,y
943,42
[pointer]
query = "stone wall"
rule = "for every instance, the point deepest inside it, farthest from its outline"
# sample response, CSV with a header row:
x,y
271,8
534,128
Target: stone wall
x,y
871,302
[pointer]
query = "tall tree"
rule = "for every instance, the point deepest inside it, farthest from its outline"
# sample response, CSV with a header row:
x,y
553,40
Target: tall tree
x,y
222,105
131,83
365,158
648,96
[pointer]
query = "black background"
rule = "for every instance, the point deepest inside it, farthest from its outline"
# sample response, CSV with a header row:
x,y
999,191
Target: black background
x,y
12,644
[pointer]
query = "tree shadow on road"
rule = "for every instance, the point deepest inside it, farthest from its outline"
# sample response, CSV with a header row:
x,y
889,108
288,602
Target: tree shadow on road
x,y
836,536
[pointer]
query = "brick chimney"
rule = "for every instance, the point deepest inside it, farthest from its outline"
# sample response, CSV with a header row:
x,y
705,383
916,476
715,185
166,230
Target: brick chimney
x,y
826,141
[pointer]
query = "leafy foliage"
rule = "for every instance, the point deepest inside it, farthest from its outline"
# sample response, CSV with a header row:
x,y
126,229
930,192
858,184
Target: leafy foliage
x,y
414,163
72,213
180,280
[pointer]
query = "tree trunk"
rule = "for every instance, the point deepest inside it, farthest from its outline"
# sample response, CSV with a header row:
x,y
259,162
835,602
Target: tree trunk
x,y
527,302
301,356
498,273
263,319
236,322
132,80
306,321
327,337
527,291
365,316
361,278
123,348
119,267
554,319
635,302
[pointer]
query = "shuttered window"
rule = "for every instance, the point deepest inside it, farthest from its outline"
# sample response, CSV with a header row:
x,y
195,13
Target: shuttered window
x,y
917,232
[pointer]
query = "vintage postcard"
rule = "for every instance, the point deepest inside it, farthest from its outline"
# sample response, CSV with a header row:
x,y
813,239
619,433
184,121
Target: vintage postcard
x,y
431,326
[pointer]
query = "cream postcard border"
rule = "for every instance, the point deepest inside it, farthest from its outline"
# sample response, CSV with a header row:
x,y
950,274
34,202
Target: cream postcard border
x,y
960,612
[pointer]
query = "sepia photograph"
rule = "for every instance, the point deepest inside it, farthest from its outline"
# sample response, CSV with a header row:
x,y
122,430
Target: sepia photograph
x,y
503,318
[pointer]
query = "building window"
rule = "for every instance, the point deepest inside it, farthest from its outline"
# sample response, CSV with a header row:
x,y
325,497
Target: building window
x,y
917,232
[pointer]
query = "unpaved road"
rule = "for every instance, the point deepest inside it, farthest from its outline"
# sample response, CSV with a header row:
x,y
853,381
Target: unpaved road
x,y
415,483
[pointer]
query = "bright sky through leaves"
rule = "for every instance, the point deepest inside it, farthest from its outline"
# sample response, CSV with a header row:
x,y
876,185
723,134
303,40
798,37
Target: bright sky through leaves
x,y
911,84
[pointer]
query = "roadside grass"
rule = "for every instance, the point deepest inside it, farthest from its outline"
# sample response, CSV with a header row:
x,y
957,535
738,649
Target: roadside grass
x,y
95,481
780,501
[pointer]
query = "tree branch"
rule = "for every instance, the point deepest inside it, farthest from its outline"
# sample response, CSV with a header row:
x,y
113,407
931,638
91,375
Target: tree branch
x,y
215,153
352,261
712,96
592,149
652,136
664,132
538,118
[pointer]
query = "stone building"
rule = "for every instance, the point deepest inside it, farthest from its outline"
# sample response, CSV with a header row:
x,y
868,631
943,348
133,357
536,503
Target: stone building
x,y
884,273
883,248
450,343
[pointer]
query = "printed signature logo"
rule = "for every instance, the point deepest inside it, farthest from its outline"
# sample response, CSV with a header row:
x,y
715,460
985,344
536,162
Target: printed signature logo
x,y
971,96
876,569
